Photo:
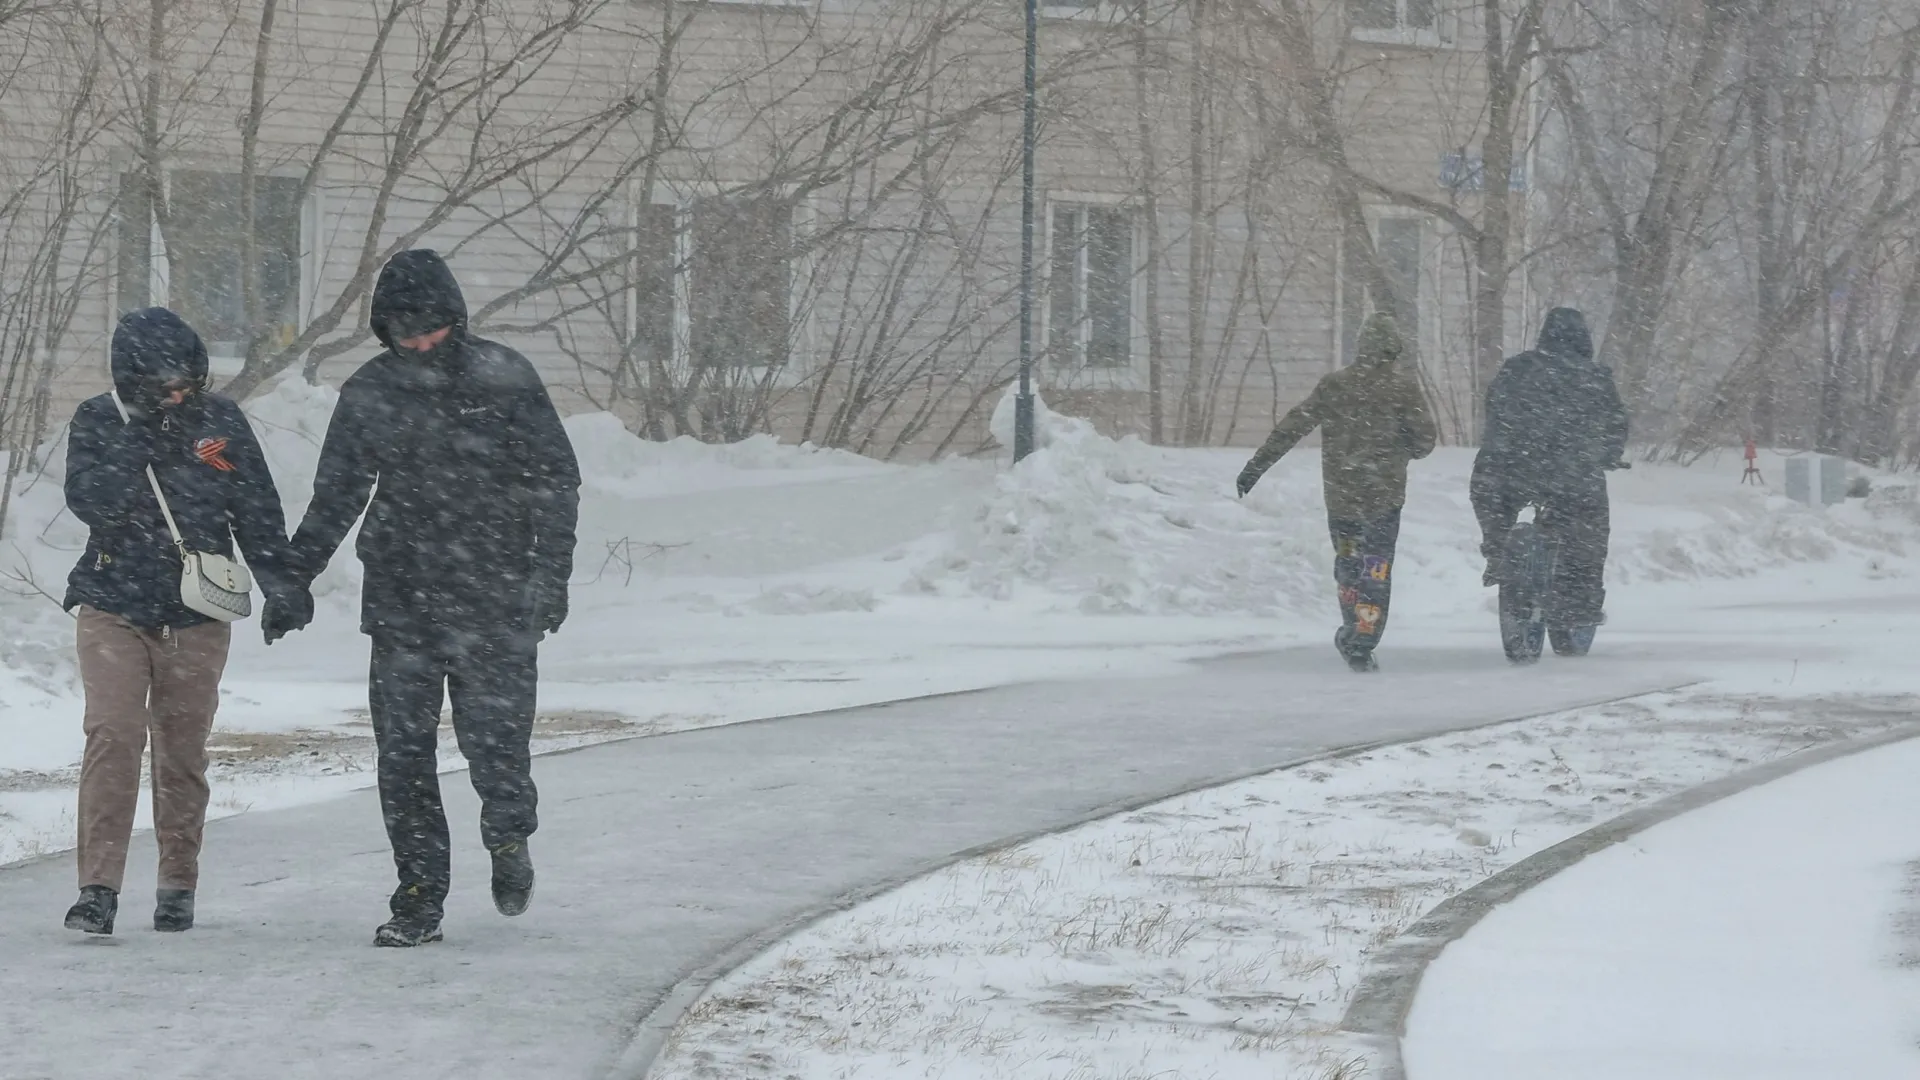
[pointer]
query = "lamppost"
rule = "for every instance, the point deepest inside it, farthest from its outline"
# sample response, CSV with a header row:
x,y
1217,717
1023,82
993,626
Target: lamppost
x,y
1023,399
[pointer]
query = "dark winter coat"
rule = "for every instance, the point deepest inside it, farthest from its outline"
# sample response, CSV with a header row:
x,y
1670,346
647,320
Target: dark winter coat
x,y
1554,419
209,464
473,483
1373,419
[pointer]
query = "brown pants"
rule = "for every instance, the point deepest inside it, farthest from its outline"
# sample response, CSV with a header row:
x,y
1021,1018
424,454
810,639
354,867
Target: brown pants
x,y
138,681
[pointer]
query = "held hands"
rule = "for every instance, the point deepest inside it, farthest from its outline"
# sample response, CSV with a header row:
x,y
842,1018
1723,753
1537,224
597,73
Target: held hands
x,y
286,612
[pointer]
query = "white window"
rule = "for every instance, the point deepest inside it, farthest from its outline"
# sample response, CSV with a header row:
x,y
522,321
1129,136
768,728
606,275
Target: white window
x,y
712,282
196,265
1400,243
1090,286
1401,21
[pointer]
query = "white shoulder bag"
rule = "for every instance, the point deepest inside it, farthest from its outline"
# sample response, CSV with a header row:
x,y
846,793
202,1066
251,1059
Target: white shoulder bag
x,y
213,585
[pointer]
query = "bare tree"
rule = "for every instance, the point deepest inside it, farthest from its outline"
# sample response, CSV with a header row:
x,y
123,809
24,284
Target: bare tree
x,y
55,115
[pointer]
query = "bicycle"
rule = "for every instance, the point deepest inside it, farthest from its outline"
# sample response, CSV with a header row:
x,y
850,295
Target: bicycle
x,y
1526,582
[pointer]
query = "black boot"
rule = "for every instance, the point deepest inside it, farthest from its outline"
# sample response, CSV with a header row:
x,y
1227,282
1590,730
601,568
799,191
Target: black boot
x,y
512,878
173,910
406,931
94,912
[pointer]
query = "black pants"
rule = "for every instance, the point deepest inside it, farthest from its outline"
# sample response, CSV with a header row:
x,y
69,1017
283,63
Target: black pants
x,y
1577,517
1363,572
492,681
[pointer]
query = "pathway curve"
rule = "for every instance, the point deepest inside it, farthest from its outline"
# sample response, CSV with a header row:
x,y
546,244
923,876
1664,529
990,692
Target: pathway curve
x,y
657,854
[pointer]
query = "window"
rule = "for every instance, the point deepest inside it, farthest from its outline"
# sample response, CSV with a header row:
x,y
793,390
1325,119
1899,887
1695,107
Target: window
x,y
1090,286
1398,243
741,282
199,267
655,260
711,281
1393,19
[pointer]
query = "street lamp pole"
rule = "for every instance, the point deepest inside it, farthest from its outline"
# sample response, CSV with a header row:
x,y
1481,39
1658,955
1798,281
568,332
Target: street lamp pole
x,y
1023,400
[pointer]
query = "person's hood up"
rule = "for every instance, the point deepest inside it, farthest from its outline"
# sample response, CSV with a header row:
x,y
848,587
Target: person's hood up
x,y
1565,335
151,347
416,294
1380,343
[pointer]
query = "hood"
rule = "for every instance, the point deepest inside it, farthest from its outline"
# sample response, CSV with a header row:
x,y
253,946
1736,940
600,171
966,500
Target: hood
x,y
1380,343
416,293
1565,335
151,347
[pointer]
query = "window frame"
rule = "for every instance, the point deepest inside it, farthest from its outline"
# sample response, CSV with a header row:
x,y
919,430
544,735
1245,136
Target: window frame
x,y
681,197
309,262
1129,370
1106,12
1441,34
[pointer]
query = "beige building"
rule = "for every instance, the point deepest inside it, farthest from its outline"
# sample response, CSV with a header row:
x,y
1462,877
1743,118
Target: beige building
x,y
720,218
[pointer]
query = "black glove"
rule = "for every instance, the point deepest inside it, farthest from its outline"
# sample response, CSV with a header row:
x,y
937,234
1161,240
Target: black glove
x,y
549,605
1248,478
287,610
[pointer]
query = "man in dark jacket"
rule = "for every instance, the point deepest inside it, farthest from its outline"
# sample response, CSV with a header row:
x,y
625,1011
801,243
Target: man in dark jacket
x,y
1373,419
467,547
151,666
1555,424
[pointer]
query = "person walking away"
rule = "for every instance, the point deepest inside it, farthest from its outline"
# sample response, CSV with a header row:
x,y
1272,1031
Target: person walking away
x,y
451,446
1374,419
1554,426
148,663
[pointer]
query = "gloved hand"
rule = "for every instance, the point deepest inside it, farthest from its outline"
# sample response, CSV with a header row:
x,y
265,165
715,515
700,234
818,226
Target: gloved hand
x,y
1248,478
549,604
287,610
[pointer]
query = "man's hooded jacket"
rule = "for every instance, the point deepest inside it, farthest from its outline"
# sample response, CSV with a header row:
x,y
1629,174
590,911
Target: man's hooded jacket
x,y
460,464
1554,421
1373,419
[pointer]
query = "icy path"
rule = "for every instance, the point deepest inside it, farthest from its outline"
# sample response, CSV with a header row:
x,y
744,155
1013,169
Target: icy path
x,y
657,853
1766,937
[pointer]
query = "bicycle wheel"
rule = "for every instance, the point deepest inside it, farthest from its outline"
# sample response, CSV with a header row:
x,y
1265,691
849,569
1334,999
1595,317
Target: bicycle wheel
x,y
1522,593
1573,641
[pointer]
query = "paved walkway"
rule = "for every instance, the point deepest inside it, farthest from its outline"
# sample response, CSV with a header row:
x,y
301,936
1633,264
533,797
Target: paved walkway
x,y
656,854
1774,935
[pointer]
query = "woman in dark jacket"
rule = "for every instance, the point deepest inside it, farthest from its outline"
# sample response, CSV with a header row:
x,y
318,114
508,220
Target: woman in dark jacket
x,y
150,664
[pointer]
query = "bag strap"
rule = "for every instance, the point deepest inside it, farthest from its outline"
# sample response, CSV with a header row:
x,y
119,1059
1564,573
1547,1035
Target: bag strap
x,y
166,511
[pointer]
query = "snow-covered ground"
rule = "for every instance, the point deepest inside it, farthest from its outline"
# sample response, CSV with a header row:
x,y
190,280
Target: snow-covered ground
x,y
1220,935
718,584
723,584
1771,936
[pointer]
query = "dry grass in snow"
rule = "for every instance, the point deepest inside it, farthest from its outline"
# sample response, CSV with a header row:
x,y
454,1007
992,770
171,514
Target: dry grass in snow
x,y
1219,935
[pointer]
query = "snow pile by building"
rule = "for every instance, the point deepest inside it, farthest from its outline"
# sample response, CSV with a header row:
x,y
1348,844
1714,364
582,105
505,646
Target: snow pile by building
x,y
1119,526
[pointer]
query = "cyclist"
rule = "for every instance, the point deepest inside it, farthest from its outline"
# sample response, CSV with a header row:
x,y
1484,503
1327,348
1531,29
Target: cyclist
x,y
1555,424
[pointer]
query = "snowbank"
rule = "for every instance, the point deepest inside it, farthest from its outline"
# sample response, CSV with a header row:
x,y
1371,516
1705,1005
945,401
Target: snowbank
x,y
617,462
1120,526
